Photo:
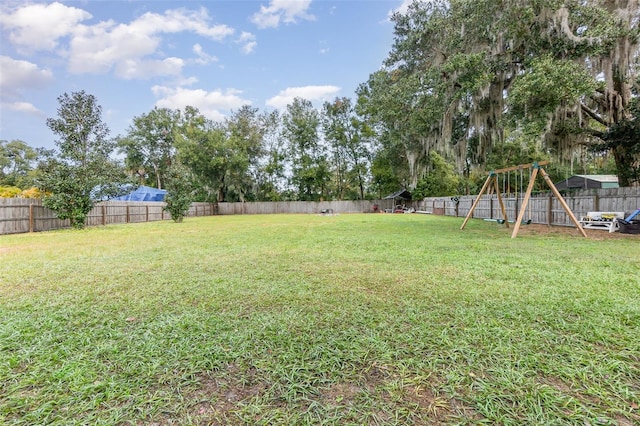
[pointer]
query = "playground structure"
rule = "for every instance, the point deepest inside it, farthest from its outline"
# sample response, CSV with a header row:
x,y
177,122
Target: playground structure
x,y
491,184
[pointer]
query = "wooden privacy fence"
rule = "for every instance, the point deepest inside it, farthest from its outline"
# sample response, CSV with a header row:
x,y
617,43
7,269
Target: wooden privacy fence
x,y
543,208
305,207
19,215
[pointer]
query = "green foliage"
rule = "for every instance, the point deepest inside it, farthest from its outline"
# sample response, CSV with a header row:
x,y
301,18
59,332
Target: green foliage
x,y
203,148
17,160
179,188
149,145
349,139
548,85
83,172
512,153
558,69
69,191
245,131
389,170
310,170
271,176
440,180
223,157
623,139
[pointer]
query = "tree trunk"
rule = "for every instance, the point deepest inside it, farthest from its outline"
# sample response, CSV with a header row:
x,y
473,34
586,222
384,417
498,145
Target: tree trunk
x,y
624,164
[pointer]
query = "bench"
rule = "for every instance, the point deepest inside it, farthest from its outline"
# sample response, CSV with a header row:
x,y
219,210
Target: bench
x,y
607,221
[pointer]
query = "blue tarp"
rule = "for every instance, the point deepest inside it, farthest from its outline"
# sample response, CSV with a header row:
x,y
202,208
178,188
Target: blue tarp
x,y
143,193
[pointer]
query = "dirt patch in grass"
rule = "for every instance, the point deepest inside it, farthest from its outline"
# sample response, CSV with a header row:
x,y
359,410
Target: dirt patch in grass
x,y
434,406
593,234
340,393
221,395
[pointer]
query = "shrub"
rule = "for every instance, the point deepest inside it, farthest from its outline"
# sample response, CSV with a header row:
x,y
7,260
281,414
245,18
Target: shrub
x,y
179,192
32,193
9,191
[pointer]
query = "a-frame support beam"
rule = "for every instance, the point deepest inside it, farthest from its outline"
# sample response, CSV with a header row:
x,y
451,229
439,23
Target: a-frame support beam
x,y
487,182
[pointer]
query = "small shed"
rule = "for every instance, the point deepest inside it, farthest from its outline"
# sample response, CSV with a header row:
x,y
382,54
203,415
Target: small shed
x,y
399,198
143,193
588,182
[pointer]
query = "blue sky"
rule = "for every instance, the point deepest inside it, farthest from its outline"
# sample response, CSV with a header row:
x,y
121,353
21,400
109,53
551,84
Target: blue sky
x,y
214,55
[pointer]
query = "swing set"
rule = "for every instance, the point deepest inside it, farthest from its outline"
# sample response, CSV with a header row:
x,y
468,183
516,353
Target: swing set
x,y
492,184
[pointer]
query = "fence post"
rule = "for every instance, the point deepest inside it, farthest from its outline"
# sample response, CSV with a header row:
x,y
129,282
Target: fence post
x,y
31,218
147,212
549,210
596,202
104,215
127,217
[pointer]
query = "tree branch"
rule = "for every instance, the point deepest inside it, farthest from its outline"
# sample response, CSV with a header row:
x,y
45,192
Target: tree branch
x,y
592,114
595,133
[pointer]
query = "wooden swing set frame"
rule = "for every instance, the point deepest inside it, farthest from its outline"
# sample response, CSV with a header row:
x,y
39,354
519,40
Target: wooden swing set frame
x,y
492,184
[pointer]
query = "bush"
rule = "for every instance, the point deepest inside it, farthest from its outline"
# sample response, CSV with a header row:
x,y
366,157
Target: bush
x,y
32,193
179,192
9,191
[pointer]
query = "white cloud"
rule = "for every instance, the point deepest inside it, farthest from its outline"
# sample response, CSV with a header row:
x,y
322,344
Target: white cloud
x,y
39,26
25,107
287,11
203,57
101,47
131,49
17,75
143,69
98,48
186,81
211,104
179,20
248,42
310,93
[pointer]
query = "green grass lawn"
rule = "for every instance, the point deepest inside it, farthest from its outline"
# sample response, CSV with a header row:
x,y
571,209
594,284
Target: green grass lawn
x,y
360,319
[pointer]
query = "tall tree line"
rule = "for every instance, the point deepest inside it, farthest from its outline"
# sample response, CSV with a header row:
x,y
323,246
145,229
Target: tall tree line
x,y
301,154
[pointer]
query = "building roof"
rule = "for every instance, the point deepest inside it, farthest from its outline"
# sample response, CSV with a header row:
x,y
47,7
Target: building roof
x,y
589,182
403,193
600,178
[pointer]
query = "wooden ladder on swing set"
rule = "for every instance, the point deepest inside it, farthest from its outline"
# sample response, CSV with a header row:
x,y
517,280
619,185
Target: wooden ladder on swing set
x,y
536,167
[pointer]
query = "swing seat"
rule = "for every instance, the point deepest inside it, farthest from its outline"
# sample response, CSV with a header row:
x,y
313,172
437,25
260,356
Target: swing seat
x,y
524,222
